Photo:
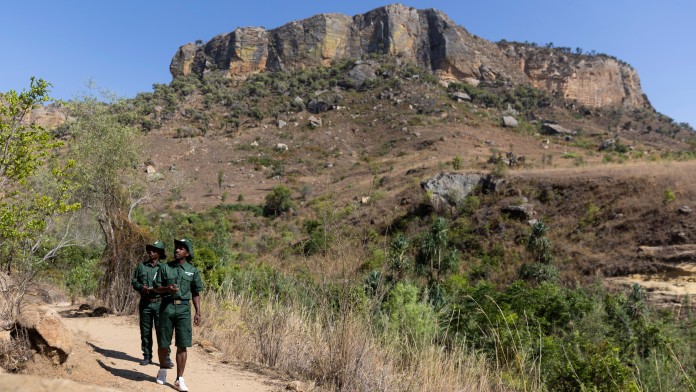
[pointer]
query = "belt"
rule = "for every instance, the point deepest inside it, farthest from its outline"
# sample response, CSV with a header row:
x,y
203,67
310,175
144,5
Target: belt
x,y
180,301
150,299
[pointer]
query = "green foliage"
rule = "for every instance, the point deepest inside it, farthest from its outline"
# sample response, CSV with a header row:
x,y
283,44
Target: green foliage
x,y
435,257
538,245
83,278
408,316
278,201
668,197
398,258
539,272
478,95
457,163
37,188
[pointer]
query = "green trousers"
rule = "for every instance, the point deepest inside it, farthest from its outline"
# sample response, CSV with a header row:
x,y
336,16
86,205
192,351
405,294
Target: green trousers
x,y
149,318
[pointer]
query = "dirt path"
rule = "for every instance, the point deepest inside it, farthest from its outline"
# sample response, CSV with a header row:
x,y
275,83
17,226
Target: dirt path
x,y
107,352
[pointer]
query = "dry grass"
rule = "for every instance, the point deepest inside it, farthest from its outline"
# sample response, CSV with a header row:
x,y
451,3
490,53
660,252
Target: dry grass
x,y
340,353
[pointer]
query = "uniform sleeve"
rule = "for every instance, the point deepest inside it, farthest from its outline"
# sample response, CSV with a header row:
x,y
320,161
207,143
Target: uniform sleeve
x,y
135,282
197,284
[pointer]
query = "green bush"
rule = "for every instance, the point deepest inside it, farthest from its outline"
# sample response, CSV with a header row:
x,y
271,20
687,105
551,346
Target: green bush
x,y
409,317
278,201
82,279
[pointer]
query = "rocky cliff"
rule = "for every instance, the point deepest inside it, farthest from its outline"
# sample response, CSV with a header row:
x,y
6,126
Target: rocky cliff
x,y
428,38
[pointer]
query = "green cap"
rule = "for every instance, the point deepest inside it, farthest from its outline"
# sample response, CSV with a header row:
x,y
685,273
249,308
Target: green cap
x,y
157,245
186,243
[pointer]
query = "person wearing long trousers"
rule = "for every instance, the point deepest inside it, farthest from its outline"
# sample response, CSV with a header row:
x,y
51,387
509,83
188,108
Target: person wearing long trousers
x,y
150,301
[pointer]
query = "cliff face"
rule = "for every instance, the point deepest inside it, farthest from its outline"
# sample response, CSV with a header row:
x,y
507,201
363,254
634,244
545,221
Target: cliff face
x,y
424,37
596,81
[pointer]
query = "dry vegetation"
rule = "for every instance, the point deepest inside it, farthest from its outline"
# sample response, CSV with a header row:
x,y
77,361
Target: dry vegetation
x,y
327,261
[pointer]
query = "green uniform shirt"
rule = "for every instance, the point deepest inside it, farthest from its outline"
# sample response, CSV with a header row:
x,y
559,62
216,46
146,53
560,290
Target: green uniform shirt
x,y
185,276
145,275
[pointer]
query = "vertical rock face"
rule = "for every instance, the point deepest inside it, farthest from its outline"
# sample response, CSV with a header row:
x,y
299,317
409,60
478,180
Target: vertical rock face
x,y
424,37
596,81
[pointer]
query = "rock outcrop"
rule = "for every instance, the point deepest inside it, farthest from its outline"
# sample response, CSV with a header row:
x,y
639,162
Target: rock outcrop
x,y
47,333
450,189
428,38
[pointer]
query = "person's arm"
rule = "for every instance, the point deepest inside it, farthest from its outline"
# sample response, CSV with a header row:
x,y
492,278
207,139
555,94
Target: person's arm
x,y
135,282
197,305
196,291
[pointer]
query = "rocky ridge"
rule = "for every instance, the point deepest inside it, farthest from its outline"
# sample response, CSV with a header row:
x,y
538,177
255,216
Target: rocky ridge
x,y
428,38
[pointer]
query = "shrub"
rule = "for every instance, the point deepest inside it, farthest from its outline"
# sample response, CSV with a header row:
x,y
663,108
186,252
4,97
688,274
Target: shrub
x,y
278,201
457,163
408,317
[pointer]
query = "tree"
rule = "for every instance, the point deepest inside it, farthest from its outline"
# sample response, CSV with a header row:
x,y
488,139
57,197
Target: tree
x,y
35,194
105,149
278,201
435,256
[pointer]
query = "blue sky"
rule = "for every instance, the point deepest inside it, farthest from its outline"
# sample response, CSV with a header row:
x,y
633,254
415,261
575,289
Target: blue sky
x,y
126,46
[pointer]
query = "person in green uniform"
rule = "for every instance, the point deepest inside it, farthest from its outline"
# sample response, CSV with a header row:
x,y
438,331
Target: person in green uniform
x,y
150,301
180,284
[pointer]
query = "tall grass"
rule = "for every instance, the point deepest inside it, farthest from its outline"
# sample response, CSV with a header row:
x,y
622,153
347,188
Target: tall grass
x,y
341,351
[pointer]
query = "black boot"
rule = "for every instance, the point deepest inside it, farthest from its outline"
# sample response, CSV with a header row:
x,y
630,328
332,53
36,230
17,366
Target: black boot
x,y
146,360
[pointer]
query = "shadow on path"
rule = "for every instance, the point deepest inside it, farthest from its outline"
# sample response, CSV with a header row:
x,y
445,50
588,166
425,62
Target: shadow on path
x,y
127,374
113,353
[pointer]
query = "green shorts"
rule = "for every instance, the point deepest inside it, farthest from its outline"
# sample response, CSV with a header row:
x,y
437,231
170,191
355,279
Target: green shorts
x,y
175,318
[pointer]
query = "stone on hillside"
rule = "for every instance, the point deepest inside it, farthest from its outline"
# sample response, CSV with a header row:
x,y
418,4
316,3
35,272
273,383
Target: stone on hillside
x,y
509,122
314,122
317,106
450,189
685,210
47,333
460,96
555,129
150,170
281,147
282,124
608,144
522,212
364,71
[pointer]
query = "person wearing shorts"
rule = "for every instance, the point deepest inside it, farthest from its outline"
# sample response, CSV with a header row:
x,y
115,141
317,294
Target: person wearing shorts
x,y
181,284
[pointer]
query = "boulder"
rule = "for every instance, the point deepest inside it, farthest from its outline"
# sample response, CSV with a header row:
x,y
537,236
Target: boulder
x,y
363,72
314,122
282,124
47,333
449,189
460,96
521,212
607,145
317,106
555,129
281,147
685,210
509,122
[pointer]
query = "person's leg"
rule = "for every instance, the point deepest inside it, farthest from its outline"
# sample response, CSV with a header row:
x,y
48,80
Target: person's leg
x,y
145,332
182,337
156,322
181,356
166,329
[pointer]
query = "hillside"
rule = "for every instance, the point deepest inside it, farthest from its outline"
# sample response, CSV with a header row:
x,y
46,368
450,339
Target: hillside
x,y
388,202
